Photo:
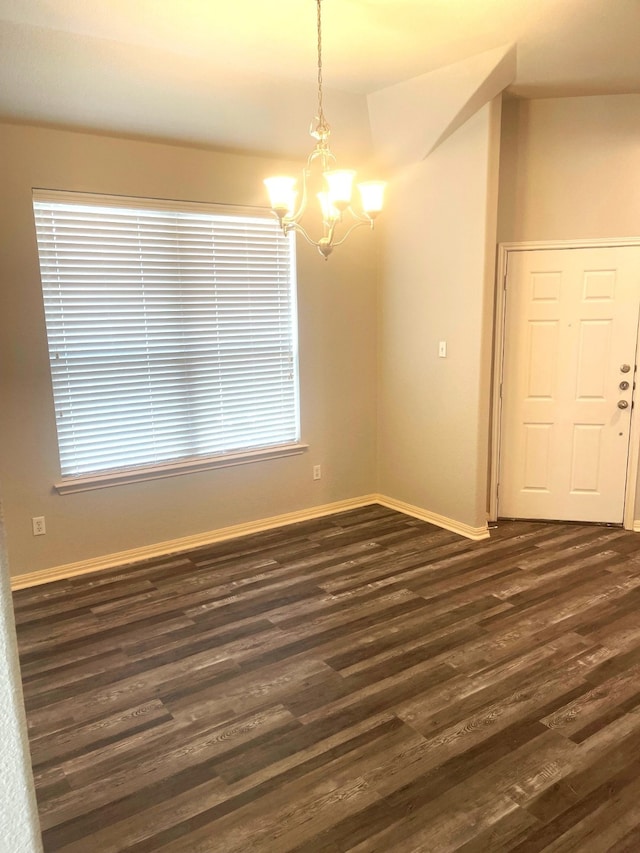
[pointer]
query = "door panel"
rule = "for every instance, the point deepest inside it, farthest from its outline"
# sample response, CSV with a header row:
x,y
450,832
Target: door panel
x,y
537,440
571,323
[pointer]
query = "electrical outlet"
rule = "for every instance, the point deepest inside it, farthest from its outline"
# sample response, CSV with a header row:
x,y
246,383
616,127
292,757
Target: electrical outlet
x,y
317,472
38,525
442,349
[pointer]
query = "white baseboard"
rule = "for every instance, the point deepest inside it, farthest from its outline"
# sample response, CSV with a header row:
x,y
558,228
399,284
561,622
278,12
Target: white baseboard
x,y
636,527
199,540
185,543
434,518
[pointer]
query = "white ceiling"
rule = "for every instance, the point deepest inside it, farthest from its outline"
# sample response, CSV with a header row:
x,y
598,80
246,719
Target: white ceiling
x,y
241,73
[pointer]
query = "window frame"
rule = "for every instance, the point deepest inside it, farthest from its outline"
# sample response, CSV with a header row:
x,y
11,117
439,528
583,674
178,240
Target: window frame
x,y
183,465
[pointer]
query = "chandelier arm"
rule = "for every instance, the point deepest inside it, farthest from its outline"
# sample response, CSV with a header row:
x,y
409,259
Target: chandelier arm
x,y
297,227
294,218
364,218
329,229
325,154
326,157
291,224
353,228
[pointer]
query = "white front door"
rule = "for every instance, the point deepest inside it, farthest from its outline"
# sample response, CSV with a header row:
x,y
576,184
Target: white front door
x,y
570,340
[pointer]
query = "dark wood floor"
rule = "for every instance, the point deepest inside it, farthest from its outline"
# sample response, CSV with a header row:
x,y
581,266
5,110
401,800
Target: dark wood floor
x,y
364,682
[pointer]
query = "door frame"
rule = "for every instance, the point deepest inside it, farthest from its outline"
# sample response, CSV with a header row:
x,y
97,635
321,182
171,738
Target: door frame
x,y
504,250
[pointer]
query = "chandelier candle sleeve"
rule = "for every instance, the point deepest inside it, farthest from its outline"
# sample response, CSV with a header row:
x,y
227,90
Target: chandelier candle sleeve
x,y
372,196
282,194
340,187
329,212
331,186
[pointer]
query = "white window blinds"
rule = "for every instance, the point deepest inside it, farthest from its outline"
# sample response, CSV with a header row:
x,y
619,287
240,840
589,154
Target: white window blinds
x,y
171,330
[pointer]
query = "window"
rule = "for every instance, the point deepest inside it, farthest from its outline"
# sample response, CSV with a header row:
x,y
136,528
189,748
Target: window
x,y
172,334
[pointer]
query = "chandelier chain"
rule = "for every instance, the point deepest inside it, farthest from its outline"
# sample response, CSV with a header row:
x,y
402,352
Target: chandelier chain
x,y
321,119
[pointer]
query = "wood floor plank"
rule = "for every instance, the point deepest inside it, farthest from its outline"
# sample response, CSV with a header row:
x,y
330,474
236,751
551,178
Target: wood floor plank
x,y
358,682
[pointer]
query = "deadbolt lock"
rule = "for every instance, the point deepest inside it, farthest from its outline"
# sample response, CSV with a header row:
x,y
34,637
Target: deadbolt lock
x,y
625,368
622,404
624,385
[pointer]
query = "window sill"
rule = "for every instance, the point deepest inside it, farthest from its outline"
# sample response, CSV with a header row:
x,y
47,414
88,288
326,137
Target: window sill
x,y
174,469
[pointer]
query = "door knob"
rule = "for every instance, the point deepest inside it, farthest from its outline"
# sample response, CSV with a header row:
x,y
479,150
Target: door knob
x,y
622,404
625,368
624,385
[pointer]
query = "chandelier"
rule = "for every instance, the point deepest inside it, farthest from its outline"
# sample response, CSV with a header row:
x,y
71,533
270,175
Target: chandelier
x,y
335,187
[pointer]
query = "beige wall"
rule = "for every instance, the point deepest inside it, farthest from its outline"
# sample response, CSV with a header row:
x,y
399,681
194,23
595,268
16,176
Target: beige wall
x,y
437,284
570,169
337,333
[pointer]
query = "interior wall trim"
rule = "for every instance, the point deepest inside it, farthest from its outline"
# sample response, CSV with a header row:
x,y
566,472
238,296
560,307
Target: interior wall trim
x,y
466,530
184,543
199,540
